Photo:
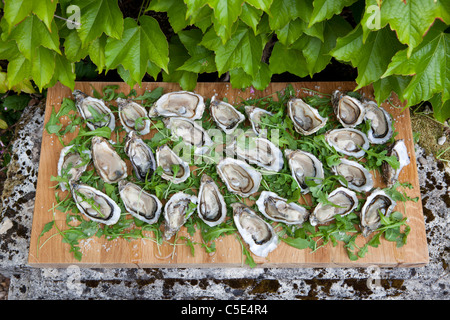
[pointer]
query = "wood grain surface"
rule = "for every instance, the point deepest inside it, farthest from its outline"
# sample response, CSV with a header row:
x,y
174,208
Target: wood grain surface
x,y
145,253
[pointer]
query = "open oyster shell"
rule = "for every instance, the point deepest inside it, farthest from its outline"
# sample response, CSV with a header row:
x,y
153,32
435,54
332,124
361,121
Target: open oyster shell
x,y
349,111
254,115
179,104
70,158
257,233
259,151
95,204
92,109
129,112
166,158
110,167
140,204
380,123
306,119
276,208
239,177
345,201
389,174
141,156
358,178
191,133
176,212
211,208
378,202
348,141
225,115
304,165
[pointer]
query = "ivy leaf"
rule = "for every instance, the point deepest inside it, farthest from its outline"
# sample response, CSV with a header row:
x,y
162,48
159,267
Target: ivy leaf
x,y
251,16
43,66
226,13
325,9
371,58
283,11
19,68
284,59
139,44
97,17
429,65
64,71
264,5
441,110
97,52
176,11
73,48
18,10
385,86
202,59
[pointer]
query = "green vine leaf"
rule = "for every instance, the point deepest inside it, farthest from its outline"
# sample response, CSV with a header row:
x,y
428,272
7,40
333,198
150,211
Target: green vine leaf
x,y
226,13
18,10
138,45
43,66
176,11
284,59
283,11
325,9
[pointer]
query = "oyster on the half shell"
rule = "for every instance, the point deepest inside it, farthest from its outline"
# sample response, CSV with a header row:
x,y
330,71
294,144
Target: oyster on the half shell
x,y
349,111
141,156
191,133
167,158
176,212
344,200
276,208
257,233
179,104
380,123
306,119
399,150
254,115
358,178
348,141
133,116
139,203
225,115
211,208
72,162
110,167
378,202
304,165
239,177
94,111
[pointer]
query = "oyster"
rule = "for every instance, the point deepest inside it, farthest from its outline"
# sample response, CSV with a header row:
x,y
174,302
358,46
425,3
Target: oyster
x,y
257,233
166,158
191,133
344,200
239,177
306,119
225,115
349,111
176,212
141,156
212,208
380,123
94,111
129,113
71,163
179,104
110,167
398,149
348,141
140,204
378,202
259,151
94,204
304,165
278,209
358,178
254,114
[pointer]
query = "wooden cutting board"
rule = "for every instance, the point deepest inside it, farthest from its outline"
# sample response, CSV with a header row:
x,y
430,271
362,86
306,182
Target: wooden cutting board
x,y
145,253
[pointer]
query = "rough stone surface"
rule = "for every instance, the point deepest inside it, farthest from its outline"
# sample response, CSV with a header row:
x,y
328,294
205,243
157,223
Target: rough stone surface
x,y
429,282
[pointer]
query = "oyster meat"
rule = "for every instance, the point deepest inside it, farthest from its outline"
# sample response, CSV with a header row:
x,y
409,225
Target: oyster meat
x,y
140,204
344,200
255,114
257,233
348,141
349,111
239,177
304,165
71,163
389,174
176,212
380,123
211,208
378,202
225,115
94,111
358,178
191,133
278,209
141,156
94,204
110,167
259,151
166,158
129,113
179,104
306,119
